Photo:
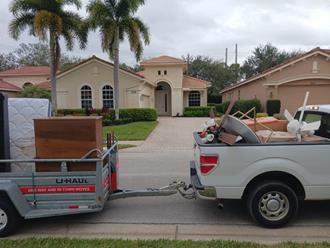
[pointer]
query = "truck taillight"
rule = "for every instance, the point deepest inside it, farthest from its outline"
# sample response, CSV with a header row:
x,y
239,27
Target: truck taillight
x,y
208,163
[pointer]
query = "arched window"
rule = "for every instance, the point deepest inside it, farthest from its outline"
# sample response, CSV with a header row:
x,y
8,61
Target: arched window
x,y
27,84
194,98
86,96
107,96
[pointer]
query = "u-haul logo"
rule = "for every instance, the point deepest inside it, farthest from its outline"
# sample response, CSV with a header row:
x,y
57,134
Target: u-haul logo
x,y
68,180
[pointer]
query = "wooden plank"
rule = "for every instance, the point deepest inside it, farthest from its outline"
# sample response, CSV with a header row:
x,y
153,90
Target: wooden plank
x,y
64,137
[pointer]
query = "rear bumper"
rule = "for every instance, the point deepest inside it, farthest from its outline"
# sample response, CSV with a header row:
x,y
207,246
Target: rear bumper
x,y
203,192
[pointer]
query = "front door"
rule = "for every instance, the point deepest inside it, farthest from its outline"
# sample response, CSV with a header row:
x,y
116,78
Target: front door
x,y
163,102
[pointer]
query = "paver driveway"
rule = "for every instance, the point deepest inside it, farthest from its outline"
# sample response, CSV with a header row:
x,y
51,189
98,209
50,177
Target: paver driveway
x,y
171,134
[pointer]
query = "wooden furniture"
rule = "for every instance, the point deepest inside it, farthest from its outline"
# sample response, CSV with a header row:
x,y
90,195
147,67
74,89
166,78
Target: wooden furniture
x,y
67,137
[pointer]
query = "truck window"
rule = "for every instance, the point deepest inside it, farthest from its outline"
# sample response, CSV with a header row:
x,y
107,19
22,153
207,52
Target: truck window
x,y
310,116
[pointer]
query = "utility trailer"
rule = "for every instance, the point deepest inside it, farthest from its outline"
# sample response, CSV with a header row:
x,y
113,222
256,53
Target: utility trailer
x,y
31,195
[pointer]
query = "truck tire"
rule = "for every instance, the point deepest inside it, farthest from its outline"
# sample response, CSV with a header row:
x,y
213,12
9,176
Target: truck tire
x,y
272,204
9,218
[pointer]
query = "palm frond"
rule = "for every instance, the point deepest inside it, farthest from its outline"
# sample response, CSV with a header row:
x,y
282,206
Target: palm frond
x,y
18,7
76,3
98,13
74,27
127,7
19,24
144,30
44,21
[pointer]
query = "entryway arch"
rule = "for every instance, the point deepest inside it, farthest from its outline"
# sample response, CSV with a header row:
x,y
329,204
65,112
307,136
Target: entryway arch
x,y
163,99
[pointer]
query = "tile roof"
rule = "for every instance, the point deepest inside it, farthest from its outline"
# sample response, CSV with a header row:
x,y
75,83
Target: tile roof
x,y
44,85
100,60
277,67
194,83
27,70
5,86
163,60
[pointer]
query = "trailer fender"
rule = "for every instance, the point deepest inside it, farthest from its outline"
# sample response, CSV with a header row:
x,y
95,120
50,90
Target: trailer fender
x,y
10,190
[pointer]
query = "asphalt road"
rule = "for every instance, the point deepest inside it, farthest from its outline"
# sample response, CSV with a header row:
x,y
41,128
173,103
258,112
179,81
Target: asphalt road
x,y
174,216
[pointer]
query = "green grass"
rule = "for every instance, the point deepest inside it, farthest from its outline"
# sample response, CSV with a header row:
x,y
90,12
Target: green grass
x,y
132,131
124,146
102,243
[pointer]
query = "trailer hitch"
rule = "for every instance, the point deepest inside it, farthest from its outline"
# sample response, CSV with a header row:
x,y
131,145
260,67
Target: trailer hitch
x,y
174,187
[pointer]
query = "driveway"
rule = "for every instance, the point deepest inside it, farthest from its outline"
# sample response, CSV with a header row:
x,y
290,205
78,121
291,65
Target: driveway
x,y
171,134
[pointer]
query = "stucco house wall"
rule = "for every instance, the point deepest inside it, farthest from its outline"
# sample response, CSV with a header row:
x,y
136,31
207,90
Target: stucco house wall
x,y
96,75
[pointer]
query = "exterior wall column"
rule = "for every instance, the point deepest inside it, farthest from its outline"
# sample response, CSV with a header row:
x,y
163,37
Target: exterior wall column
x,y
177,101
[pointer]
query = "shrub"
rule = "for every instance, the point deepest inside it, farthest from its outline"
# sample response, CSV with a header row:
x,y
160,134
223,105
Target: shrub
x,y
126,115
197,111
70,111
273,106
138,114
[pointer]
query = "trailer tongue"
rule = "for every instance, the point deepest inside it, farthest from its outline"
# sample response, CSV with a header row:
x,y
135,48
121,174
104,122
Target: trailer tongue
x,y
174,187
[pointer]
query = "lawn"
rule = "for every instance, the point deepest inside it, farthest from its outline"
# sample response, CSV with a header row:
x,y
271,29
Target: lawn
x,y
102,243
132,131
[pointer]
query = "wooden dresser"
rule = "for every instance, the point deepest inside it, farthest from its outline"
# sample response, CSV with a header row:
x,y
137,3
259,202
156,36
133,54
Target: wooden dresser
x,y
67,137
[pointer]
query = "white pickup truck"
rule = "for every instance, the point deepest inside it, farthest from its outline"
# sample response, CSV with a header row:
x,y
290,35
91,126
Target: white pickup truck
x,y
272,178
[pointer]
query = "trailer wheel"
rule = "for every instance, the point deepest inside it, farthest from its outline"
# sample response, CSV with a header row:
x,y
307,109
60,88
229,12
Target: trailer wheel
x,y
272,204
8,218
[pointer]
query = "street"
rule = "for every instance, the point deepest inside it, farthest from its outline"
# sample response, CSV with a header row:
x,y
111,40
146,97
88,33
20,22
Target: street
x,y
173,216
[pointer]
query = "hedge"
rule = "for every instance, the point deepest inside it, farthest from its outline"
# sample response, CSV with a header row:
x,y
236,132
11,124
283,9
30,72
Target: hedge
x,y
197,111
138,114
240,105
126,115
273,107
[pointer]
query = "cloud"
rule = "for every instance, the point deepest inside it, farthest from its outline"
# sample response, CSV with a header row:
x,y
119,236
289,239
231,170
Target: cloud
x,y
207,27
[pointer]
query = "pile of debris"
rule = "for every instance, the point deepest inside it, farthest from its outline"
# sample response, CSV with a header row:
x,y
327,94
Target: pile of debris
x,y
231,129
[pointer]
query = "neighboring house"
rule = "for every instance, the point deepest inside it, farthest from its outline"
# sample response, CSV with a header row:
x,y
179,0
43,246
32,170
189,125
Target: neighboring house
x,y
10,89
162,85
288,82
26,75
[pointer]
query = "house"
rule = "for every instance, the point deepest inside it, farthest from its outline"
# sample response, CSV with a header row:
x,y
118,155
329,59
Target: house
x,y
10,89
26,75
161,85
288,82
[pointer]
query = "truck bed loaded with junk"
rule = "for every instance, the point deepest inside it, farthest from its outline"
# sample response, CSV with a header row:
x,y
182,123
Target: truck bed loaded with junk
x,y
52,166
272,165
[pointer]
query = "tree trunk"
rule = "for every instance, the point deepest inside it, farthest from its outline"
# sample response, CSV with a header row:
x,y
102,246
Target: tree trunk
x,y
52,47
116,73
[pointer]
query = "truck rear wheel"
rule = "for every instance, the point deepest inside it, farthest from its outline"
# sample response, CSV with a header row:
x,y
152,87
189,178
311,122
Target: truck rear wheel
x,y
272,204
8,218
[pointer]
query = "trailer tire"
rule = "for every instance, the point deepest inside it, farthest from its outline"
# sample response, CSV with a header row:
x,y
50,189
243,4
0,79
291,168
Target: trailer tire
x,y
272,204
9,218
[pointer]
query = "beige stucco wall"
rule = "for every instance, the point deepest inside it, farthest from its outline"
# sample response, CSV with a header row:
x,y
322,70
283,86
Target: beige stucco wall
x,y
174,78
21,80
290,84
97,74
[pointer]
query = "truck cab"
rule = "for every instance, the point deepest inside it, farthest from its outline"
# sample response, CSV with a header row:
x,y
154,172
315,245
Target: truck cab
x,y
317,113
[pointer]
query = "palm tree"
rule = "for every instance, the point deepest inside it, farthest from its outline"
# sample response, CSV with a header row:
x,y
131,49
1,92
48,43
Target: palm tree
x,y
48,20
115,19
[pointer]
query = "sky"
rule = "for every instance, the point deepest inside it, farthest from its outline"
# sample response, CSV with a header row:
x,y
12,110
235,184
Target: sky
x,y
208,27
